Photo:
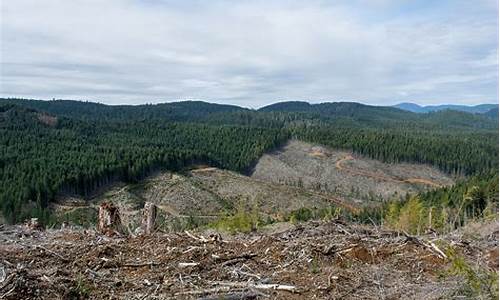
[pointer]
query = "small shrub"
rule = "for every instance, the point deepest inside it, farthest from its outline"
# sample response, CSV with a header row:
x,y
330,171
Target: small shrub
x,y
81,289
479,283
242,221
301,215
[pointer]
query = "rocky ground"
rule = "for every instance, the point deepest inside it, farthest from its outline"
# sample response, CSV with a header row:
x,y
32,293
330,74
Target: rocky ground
x,y
315,260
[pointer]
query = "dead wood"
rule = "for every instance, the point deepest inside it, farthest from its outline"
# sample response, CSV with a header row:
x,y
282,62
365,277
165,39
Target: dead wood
x,y
233,296
148,218
322,260
108,219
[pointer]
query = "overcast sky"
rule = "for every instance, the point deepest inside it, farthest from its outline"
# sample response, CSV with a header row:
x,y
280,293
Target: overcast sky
x,y
251,53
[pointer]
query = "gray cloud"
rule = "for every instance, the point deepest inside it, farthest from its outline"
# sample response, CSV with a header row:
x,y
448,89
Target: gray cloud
x,y
251,52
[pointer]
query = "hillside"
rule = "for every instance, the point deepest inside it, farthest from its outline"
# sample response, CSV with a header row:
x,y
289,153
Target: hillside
x,y
294,177
344,173
176,111
276,115
200,195
353,110
492,113
336,200
77,147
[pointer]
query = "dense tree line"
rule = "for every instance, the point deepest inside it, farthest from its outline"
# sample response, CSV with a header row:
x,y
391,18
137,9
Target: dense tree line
x,y
453,152
38,160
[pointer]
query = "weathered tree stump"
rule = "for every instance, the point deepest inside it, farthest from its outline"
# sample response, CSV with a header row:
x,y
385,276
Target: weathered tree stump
x,y
148,218
109,218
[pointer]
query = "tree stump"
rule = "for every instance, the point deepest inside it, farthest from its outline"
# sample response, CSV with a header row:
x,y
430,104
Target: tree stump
x,y
148,218
109,218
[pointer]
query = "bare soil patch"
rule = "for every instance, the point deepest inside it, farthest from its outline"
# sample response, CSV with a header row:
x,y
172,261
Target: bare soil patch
x,y
344,173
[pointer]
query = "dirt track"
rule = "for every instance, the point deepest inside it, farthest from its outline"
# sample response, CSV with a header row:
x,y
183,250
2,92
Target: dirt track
x,y
340,167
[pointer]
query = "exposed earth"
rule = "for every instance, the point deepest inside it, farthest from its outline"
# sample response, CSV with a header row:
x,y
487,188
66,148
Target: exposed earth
x,y
344,173
299,175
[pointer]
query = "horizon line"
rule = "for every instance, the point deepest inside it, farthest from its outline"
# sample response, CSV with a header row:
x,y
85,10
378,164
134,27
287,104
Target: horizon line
x,y
310,102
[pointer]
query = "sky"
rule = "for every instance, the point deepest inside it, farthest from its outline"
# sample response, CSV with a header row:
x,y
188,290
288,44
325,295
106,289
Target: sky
x,y
251,53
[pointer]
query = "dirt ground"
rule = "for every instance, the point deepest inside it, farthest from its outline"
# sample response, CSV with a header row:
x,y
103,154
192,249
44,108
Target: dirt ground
x,y
315,260
345,174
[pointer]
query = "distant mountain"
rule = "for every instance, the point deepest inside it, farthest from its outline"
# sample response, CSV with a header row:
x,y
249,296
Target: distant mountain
x,y
289,106
478,109
411,107
492,113
353,110
174,111
344,114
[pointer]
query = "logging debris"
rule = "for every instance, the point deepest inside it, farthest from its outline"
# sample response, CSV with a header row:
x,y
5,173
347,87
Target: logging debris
x,y
314,260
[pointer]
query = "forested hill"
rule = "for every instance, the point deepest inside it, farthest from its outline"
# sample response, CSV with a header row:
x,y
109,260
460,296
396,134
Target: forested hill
x,y
176,111
343,114
352,109
492,113
48,147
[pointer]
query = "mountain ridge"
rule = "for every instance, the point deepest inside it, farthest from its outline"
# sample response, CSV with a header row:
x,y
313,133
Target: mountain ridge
x,y
416,108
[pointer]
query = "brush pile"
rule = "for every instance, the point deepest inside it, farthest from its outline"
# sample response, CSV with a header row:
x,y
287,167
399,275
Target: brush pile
x,y
315,260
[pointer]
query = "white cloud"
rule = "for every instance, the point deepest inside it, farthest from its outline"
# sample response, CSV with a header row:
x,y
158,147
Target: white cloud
x,y
250,52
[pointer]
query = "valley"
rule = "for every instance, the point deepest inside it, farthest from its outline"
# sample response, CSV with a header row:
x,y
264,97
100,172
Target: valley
x,y
194,200
296,176
249,150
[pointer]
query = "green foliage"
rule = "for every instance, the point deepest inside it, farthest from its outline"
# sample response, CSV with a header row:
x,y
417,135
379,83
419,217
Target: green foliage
x,y
412,216
453,152
242,221
445,209
392,215
81,289
301,215
480,283
304,214
38,161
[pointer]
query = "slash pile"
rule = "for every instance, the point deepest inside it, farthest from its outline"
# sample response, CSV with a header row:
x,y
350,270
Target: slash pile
x,y
315,260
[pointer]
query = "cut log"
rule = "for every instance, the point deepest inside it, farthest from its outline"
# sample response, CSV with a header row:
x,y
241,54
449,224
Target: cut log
x,y
109,218
148,218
